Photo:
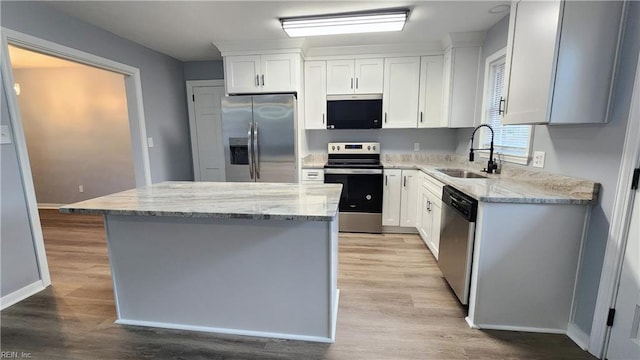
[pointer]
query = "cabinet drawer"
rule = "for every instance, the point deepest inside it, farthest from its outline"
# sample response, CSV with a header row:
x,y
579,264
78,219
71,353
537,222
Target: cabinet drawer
x,y
432,185
312,175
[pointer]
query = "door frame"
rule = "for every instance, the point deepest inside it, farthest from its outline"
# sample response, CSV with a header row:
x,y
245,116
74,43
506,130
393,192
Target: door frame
x,y
133,88
619,230
191,84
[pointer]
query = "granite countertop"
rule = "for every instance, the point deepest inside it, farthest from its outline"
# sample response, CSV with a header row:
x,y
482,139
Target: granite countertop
x,y
516,184
260,201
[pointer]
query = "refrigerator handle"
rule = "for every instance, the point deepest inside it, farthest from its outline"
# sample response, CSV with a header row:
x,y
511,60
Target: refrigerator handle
x,y
250,149
256,149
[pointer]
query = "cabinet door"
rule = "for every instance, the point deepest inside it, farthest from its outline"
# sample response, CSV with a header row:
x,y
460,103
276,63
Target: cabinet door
x,y
425,227
242,74
315,94
340,77
206,134
431,92
280,72
409,198
401,91
391,197
465,63
446,87
436,226
533,32
369,76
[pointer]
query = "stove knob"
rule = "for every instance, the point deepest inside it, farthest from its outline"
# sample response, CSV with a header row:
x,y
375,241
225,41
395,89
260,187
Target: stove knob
x,y
368,147
338,147
333,148
374,148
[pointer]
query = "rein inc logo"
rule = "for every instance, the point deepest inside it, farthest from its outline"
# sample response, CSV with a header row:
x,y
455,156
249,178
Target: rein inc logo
x,y
15,355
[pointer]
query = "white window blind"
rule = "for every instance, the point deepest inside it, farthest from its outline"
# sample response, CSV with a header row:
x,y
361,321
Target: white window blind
x,y
511,140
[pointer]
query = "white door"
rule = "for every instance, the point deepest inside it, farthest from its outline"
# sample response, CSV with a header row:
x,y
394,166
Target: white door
x,y
401,92
242,74
340,77
279,72
208,134
369,76
624,342
315,94
391,197
431,92
409,201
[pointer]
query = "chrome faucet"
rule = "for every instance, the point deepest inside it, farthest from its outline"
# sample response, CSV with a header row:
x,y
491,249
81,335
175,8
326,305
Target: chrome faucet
x,y
491,165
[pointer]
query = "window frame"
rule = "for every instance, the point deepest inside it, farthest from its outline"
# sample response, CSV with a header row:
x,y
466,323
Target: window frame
x,y
491,62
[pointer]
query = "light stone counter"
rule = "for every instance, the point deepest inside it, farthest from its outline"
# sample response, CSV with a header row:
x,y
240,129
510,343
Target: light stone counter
x,y
314,161
259,201
513,185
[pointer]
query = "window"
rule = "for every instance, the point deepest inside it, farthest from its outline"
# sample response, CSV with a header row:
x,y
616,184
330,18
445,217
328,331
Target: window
x,y
512,141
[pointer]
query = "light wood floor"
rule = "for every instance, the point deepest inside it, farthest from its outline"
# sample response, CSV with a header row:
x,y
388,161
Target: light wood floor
x,y
394,304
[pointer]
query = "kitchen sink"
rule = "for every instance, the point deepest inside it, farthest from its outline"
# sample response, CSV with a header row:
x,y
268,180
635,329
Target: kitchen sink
x,y
460,173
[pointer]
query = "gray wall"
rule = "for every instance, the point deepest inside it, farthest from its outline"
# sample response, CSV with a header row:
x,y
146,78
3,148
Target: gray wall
x,y
77,129
592,152
203,70
163,88
18,264
391,140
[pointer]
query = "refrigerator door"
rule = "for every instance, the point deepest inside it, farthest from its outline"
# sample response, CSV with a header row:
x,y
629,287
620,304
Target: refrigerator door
x,y
237,126
274,131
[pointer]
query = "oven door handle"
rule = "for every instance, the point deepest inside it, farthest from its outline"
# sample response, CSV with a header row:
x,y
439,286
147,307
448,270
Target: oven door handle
x,y
353,171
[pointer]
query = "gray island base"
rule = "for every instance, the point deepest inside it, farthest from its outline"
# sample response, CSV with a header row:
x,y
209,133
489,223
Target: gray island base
x,y
235,258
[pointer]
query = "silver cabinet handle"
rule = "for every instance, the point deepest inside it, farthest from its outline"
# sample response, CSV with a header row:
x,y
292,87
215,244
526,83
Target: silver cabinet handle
x,y
385,117
386,180
356,83
257,80
404,184
322,118
352,83
420,116
250,149
262,79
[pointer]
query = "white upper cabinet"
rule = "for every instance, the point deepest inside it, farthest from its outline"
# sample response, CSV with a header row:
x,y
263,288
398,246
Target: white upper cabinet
x,y
430,101
401,92
262,73
560,61
459,84
360,76
315,94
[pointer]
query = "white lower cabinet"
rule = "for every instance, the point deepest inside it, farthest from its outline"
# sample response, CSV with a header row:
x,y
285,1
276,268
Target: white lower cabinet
x,y
391,196
430,213
312,176
400,198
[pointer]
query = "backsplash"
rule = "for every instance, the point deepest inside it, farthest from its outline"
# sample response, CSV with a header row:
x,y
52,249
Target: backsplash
x,y
391,140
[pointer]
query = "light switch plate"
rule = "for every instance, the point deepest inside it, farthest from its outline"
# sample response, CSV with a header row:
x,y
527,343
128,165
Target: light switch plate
x,y
5,136
538,159
150,141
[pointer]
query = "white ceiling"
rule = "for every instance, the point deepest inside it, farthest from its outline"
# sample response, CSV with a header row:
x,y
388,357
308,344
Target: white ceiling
x,y
186,30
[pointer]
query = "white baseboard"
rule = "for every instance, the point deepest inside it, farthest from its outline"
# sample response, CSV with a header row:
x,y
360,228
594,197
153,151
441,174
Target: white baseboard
x,y
225,331
578,336
21,294
49,206
334,317
470,323
520,328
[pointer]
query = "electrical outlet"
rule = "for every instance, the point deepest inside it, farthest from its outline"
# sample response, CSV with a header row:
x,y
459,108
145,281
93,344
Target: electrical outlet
x,y
80,188
538,159
416,146
150,141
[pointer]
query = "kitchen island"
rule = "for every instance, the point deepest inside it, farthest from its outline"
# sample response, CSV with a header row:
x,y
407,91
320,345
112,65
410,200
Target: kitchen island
x,y
253,259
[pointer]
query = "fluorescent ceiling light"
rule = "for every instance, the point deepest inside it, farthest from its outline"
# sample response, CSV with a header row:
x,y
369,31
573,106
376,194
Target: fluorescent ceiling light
x,y
351,23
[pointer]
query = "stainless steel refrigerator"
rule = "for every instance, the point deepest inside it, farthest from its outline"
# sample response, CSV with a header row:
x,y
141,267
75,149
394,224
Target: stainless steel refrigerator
x,y
259,138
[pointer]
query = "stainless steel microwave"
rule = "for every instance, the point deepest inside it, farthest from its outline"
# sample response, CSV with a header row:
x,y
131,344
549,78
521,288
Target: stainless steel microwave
x,y
354,111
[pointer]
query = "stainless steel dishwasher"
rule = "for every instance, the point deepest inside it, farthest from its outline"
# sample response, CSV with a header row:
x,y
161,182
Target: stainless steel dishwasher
x,y
456,240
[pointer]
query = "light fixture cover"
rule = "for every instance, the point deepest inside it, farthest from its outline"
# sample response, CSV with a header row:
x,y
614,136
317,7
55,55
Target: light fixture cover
x,y
348,23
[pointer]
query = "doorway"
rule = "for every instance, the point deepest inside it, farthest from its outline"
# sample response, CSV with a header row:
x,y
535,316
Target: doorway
x,y
76,127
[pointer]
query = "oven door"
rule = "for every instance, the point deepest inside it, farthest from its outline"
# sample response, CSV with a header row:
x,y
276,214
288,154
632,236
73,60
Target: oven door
x,y
361,198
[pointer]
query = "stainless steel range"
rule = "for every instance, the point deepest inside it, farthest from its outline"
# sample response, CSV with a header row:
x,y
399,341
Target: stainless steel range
x,y
357,167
